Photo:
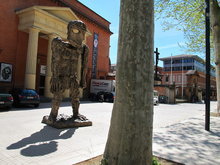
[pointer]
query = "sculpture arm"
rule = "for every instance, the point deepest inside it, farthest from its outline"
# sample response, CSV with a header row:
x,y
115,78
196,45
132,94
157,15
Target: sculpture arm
x,y
84,63
56,47
56,54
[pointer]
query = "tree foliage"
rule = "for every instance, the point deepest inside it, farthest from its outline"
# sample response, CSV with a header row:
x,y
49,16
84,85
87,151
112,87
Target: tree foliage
x,y
187,16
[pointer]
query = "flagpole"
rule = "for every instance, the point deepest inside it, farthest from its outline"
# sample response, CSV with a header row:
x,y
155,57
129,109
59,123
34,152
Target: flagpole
x,y
171,69
182,78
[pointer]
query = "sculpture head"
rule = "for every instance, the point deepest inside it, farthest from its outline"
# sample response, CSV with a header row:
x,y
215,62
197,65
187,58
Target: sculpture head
x,y
76,31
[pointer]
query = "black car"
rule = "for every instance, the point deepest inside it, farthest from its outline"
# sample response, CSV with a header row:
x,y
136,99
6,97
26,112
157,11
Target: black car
x,y
105,96
6,100
109,97
25,97
163,99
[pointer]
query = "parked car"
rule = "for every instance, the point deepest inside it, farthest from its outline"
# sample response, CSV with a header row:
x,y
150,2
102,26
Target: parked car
x,y
163,99
105,96
6,100
100,96
156,97
25,97
109,97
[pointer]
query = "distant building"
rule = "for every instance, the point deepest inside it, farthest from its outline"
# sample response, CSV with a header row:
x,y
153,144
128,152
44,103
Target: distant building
x,y
112,73
187,72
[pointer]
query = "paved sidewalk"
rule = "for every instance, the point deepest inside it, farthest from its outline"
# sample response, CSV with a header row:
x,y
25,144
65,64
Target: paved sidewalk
x,y
187,142
26,141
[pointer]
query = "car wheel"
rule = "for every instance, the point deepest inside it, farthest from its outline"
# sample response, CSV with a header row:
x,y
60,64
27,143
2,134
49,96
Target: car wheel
x,y
17,105
8,107
36,105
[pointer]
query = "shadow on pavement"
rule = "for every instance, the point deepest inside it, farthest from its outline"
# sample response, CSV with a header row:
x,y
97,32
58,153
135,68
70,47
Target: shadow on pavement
x,y
189,143
45,105
42,142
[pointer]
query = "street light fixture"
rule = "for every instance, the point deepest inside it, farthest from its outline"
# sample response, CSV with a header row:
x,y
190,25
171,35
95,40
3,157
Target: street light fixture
x,y
207,98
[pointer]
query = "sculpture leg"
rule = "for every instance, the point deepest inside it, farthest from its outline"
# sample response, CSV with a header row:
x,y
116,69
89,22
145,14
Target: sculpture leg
x,y
74,94
57,98
75,106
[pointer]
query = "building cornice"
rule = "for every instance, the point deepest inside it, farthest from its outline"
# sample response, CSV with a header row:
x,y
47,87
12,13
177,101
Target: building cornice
x,y
86,16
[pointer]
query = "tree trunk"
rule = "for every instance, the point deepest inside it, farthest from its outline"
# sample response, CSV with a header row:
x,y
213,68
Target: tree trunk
x,y
130,135
215,23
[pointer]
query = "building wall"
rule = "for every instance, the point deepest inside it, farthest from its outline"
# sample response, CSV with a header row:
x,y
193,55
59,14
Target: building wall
x,y
14,43
191,83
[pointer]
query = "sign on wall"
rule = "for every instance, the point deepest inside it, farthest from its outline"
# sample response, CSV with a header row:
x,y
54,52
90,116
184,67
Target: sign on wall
x,y
95,54
43,69
5,72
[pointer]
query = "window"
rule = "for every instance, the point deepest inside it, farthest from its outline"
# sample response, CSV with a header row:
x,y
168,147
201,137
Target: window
x,y
176,68
179,78
174,78
167,62
167,78
167,69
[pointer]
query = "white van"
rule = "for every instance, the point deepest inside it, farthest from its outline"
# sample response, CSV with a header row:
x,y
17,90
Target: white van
x,y
156,97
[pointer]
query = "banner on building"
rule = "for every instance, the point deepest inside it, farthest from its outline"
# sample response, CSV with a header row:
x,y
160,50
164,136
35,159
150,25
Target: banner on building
x,y
5,72
94,55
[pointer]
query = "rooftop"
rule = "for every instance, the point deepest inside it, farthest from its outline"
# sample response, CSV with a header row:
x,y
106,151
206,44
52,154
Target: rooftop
x,y
183,56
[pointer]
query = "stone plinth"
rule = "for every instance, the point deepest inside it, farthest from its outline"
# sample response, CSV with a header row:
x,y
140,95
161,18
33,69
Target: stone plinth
x,y
64,121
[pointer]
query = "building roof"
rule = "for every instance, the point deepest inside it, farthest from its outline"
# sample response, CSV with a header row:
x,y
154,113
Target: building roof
x,y
183,56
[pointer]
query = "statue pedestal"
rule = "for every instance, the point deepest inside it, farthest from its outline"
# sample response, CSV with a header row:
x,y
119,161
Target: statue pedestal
x,y
64,121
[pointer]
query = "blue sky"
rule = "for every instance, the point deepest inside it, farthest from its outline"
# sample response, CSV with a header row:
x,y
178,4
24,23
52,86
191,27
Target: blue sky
x,y
167,42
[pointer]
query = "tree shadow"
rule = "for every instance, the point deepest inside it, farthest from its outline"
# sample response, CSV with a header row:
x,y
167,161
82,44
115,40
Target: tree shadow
x,y
189,143
42,142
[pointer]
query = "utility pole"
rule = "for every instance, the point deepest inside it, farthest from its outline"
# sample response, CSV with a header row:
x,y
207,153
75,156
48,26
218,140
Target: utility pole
x,y
207,94
157,58
182,77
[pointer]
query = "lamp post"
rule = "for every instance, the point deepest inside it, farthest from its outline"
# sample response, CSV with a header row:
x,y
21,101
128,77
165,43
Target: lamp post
x,y
207,94
157,58
182,78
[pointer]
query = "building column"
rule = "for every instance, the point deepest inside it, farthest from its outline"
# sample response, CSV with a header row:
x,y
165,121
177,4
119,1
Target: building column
x,y
31,60
47,92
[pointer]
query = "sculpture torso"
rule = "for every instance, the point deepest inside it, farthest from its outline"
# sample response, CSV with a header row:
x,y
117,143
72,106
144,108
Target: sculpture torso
x,y
65,58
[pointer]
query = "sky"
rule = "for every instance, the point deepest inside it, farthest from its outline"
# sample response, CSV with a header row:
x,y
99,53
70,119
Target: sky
x,y
167,42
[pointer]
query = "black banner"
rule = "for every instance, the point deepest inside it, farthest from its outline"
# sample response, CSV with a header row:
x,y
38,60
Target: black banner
x,y
94,55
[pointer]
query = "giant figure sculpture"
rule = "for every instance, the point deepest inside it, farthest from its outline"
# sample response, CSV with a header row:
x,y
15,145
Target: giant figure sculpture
x,y
66,73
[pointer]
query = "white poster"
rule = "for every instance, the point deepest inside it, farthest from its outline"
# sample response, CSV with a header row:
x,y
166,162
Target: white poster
x,y
43,69
5,72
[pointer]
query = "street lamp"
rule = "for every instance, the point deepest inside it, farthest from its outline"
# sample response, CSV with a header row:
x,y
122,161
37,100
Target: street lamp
x,y
157,58
207,98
